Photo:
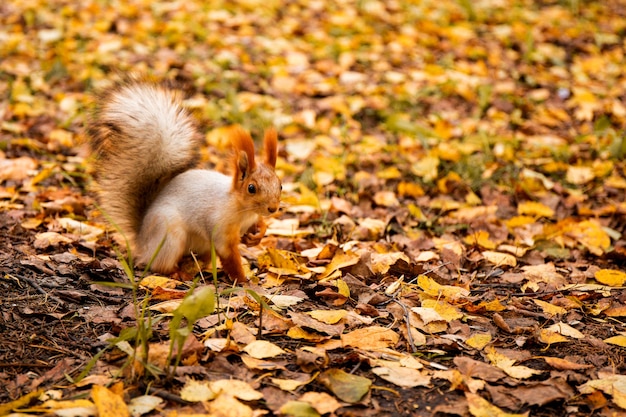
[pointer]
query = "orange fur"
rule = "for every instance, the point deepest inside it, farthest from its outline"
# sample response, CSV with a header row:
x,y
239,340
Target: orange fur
x,y
270,144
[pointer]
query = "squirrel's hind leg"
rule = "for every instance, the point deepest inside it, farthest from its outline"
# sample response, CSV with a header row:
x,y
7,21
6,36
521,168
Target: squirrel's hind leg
x,y
162,242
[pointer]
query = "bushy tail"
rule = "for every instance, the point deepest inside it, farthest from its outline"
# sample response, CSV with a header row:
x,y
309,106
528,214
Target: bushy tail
x,y
142,138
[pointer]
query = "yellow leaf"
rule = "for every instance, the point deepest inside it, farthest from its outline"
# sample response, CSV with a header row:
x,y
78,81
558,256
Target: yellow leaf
x,y
297,332
519,221
480,238
472,213
288,384
386,198
611,277
447,311
235,388
550,309
328,316
261,349
281,262
154,281
479,407
389,173
108,403
381,262
479,340
197,391
227,404
428,315
549,337
535,209
410,189
499,258
579,175
322,402
340,260
507,365
513,250
434,289
619,340
426,168
493,305
20,402
590,234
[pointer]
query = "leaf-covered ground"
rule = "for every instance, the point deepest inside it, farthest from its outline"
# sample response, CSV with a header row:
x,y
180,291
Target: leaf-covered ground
x,y
451,241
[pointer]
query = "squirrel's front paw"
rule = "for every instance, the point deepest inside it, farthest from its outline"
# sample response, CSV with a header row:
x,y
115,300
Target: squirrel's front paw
x,y
254,234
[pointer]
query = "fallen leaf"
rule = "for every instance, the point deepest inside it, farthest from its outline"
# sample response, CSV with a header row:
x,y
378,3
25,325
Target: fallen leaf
x,y
262,349
370,338
347,387
402,377
108,403
479,407
611,277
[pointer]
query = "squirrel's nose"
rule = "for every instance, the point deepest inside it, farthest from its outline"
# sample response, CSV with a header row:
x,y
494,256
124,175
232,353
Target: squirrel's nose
x,y
272,209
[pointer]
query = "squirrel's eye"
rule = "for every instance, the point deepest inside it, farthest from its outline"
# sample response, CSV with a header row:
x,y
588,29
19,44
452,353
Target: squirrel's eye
x,y
251,189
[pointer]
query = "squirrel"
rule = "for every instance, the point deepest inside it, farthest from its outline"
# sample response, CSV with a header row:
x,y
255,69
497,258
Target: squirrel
x,y
147,150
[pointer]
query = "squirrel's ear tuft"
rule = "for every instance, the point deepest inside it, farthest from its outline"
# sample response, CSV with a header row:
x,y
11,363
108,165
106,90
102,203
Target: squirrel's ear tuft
x,y
242,166
270,145
242,143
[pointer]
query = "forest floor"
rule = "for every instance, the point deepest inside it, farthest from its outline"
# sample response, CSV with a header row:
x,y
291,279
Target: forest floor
x,y
451,237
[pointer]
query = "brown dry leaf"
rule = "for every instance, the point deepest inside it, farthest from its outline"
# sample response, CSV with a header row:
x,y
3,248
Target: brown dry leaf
x,y
370,338
402,377
564,364
611,384
544,273
17,169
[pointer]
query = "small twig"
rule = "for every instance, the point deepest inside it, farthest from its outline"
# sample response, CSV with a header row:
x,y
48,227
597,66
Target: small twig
x,y
167,395
37,287
407,320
